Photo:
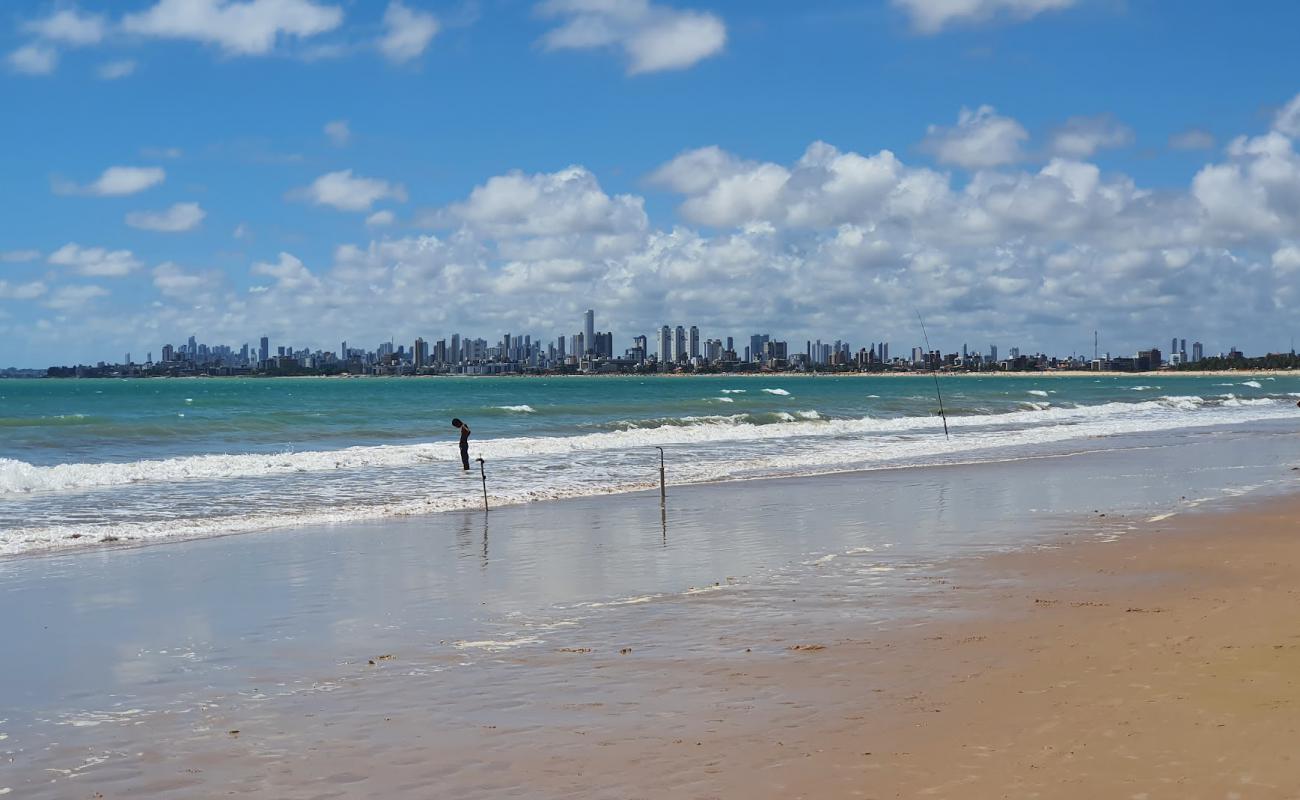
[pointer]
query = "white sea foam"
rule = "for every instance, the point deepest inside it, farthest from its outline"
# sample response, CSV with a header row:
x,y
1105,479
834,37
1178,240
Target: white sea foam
x,y
1142,388
1037,392
781,392
807,415
497,645
1253,384
520,409
725,400
734,391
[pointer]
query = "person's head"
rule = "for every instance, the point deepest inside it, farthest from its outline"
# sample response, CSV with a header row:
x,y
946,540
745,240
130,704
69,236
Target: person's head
x,y
456,423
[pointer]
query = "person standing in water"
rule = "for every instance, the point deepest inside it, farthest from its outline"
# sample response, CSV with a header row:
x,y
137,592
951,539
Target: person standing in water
x,y
464,442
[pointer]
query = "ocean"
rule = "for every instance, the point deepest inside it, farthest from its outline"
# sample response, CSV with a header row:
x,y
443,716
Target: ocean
x,y
138,460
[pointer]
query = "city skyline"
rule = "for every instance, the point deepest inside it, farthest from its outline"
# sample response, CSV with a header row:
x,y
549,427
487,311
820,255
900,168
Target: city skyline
x,y
392,197
592,350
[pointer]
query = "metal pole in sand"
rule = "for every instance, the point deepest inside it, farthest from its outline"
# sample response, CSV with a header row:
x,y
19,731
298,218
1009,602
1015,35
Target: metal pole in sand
x,y
663,490
483,473
663,497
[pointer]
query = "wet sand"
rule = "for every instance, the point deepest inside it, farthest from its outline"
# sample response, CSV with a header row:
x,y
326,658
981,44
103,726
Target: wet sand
x,y
1162,666
842,636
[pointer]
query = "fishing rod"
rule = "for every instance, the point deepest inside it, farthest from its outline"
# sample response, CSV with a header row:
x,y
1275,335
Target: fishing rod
x,y
934,373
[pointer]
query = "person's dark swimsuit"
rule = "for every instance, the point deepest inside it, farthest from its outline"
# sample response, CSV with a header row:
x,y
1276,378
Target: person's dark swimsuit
x,y
464,446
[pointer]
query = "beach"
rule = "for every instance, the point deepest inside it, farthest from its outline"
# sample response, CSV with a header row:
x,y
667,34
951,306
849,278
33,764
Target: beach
x,y
1058,625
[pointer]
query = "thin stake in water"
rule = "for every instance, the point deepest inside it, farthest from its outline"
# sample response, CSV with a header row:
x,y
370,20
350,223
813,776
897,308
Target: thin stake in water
x,y
935,374
483,473
663,490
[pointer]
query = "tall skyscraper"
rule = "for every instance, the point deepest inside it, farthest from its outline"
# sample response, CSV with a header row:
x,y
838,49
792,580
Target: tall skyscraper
x,y
589,330
679,344
1198,351
454,356
665,345
693,348
264,351
420,353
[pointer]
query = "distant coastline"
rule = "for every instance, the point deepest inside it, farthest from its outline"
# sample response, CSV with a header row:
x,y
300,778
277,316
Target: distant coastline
x,y
1253,371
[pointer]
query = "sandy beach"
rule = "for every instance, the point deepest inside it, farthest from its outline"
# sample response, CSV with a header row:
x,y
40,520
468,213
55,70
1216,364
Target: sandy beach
x,y
911,633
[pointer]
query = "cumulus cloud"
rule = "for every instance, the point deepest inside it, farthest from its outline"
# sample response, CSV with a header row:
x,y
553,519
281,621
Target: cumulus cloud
x,y
338,132
932,16
22,291
172,280
348,192
179,218
982,138
1192,139
381,219
238,27
1287,121
548,204
652,37
116,182
407,32
1082,137
33,59
70,27
114,70
1287,259
95,261
71,298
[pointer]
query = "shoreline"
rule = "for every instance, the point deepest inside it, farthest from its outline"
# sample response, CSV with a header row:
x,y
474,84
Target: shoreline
x,y
991,459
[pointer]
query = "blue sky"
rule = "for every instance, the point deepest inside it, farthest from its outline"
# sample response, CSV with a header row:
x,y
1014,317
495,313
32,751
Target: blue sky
x,y
1023,171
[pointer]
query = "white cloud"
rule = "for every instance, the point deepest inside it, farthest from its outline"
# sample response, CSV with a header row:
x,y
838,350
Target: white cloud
x,y
95,261
161,152
932,16
116,182
241,231
113,70
70,27
289,273
1192,139
238,27
980,139
381,219
1287,260
548,204
21,291
177,219
1257,191
348,192
173,281
19,256
1287,120
33,59
407,32
70,298
338,132
1082,137
653,37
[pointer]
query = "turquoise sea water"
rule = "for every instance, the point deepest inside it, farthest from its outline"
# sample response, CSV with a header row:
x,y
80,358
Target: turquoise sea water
x,y
85,460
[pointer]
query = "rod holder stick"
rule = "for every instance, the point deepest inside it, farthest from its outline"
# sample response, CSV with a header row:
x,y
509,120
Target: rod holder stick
x,y
483,474
663,484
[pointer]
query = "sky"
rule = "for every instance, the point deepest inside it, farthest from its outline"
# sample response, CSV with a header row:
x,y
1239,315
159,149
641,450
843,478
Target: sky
x,y
1019,172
